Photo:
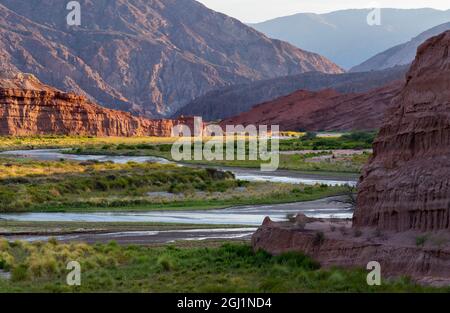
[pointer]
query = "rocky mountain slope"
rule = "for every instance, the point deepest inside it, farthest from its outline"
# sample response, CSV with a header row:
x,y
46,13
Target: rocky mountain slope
x,y
145,56
233,100
401,54
406,185
27,107
345,37
325,110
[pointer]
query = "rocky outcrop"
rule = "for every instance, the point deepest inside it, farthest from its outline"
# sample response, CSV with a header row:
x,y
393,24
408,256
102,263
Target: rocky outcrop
x,y
149,57
399,55
335,244
28,107
326,110
404,190
233,100
406,184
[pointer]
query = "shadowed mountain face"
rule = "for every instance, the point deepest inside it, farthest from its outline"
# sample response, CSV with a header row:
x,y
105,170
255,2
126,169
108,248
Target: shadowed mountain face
x,y
146,56
236,99
325,110
346,38
401,54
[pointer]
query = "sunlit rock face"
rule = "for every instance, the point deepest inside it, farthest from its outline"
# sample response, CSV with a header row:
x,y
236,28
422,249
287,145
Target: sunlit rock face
x,y
27,107
406,184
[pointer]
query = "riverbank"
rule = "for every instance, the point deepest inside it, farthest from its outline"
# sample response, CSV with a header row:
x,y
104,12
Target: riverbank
x,y
43,181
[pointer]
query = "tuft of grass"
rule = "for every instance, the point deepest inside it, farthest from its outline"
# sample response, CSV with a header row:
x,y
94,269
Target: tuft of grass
x,y
166,262
421,240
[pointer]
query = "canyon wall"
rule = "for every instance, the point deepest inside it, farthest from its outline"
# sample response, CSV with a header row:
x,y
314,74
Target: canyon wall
x,y
28,107
406,184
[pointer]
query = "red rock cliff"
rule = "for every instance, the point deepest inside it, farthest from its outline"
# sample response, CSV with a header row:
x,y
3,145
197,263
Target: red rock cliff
x,y
406,185
325,110
28,107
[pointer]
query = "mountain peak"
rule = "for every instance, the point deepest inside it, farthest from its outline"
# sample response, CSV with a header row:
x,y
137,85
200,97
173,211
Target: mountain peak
x,y
150,57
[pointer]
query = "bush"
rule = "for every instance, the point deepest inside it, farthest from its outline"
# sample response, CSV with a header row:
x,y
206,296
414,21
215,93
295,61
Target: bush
x,y
166,262
309,136
19,273
295,259
357,232
319,238
421,240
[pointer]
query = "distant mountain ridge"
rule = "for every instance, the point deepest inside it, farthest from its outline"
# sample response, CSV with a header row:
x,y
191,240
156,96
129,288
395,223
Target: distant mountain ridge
x,y
149,57
233,100
399,55
345,37
325,110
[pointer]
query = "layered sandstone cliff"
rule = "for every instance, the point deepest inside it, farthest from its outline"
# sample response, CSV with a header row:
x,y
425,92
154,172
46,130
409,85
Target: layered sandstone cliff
x,y
28,107
406,185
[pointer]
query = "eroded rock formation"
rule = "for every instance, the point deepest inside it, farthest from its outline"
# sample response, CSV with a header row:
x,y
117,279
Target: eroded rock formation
x,y
28,107
397,253
404,190
406,185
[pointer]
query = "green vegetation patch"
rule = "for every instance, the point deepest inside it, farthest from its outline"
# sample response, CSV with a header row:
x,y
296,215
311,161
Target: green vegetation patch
x,y
41,267
27,185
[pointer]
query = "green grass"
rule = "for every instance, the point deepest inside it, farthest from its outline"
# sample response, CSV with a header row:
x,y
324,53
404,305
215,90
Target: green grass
x,y
311,141
57,141
150,146
40,267
27,185
297,162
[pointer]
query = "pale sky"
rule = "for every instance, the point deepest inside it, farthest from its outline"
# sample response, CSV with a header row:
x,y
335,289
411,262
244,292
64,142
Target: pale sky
x,y
251,11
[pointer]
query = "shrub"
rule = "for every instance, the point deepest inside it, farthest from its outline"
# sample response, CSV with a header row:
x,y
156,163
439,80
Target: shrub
x,y
166,262
421,240
357,232
296,259
19,273
319,238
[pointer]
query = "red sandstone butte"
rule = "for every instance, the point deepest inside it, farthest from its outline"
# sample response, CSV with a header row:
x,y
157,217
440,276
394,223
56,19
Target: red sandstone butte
x,y
27,107
406,185
403,192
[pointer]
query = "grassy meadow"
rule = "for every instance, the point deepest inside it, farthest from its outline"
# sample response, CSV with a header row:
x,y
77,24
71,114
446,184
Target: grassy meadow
x,y
183,267
311,146
29,185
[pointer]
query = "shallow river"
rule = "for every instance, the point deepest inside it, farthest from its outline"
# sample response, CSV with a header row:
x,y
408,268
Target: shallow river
x,y
280,176
242,215
149,237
